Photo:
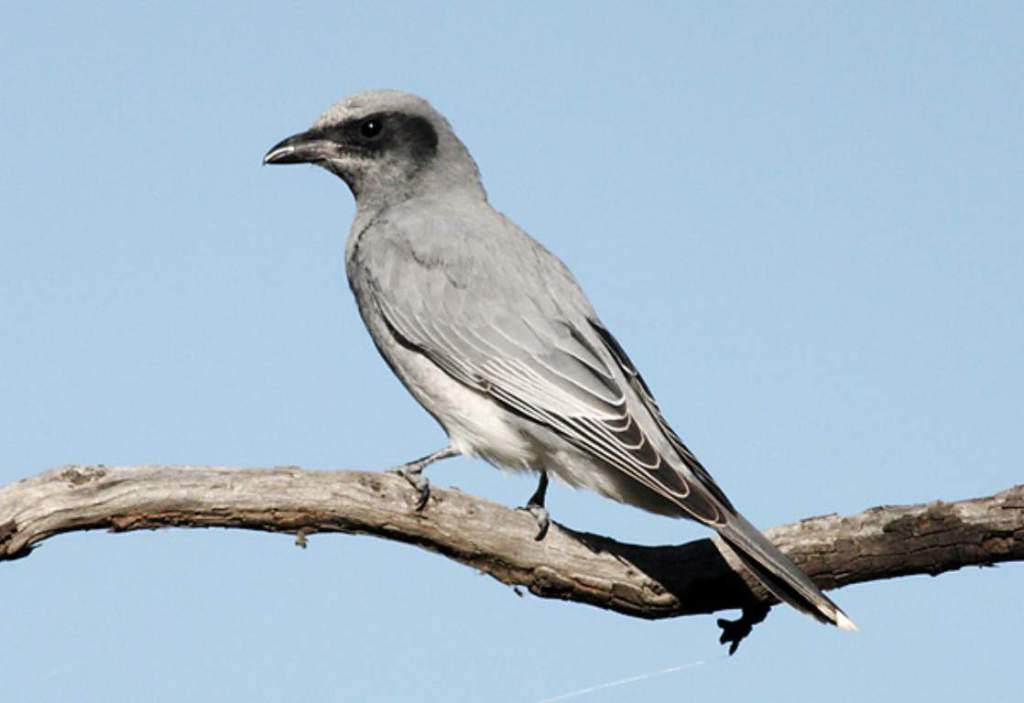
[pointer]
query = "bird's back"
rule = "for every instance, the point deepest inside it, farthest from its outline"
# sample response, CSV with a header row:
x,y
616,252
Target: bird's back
x,y
461,242
460,284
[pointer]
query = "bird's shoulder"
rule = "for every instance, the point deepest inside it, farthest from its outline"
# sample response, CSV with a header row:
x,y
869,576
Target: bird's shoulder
x,y
465,248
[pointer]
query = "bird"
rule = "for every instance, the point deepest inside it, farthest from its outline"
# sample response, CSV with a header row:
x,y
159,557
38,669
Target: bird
x,y
491,333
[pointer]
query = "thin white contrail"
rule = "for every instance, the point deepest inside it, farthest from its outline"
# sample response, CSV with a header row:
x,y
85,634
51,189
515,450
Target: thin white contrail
x,y
630,679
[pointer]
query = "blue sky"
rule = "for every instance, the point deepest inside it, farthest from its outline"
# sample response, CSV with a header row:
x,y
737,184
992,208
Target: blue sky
x,y
803,221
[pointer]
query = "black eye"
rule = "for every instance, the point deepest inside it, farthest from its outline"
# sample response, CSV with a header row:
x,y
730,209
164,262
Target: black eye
x,y
371,127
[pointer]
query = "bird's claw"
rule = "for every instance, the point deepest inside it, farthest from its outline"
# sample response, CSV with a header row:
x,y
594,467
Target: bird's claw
x,y
414,475
535,506
542,517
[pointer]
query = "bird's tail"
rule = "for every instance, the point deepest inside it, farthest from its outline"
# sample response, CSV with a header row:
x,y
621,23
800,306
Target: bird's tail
x,y
779,574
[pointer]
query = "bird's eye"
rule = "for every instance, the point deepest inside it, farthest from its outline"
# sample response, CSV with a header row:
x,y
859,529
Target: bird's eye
x,y
371,127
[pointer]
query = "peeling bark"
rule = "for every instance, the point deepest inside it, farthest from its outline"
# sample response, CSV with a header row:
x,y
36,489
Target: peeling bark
x,y
646,582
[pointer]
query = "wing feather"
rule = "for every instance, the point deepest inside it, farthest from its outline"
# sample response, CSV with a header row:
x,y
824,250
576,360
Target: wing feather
x,y
546,359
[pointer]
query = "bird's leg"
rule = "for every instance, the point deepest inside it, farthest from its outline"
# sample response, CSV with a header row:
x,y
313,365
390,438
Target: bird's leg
x,y
535,506
413,472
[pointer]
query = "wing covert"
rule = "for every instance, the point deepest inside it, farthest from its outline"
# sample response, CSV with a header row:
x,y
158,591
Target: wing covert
x,y
542,357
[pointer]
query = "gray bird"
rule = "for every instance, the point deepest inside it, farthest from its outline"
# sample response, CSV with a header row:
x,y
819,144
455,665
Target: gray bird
x,y
491,333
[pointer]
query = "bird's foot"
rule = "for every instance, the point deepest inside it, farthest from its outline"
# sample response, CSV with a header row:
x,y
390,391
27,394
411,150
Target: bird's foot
x,y
543,518
413,473
535,506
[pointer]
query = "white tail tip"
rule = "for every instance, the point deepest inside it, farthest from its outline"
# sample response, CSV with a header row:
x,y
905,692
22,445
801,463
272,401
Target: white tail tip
x,y
845,623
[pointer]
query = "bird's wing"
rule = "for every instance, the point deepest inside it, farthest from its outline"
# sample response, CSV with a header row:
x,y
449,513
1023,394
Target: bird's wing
x,y
640,387
524,336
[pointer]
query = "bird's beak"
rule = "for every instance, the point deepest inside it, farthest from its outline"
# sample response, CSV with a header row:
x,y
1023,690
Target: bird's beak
x,y
303,148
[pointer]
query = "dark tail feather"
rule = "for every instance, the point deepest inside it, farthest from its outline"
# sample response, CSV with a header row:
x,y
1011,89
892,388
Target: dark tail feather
x,y
779,574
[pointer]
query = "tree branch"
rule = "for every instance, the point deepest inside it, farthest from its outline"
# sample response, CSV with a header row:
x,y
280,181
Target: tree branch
x,y
646,582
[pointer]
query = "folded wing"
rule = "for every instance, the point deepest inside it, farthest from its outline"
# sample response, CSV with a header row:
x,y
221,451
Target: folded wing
x,y
548,361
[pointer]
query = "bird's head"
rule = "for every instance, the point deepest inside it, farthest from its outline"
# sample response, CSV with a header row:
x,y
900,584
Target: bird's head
x,y
388,146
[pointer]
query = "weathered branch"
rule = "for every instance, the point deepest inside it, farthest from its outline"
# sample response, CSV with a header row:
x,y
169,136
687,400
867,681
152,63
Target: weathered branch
x,y
647,582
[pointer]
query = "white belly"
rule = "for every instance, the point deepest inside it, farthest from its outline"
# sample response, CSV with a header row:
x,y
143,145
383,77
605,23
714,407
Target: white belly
x,y
478,426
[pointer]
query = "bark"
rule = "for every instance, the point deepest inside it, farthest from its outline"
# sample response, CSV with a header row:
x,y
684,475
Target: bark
x,y
642,581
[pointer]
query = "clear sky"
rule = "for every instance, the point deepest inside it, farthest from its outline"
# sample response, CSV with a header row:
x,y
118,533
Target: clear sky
x,y
803,221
